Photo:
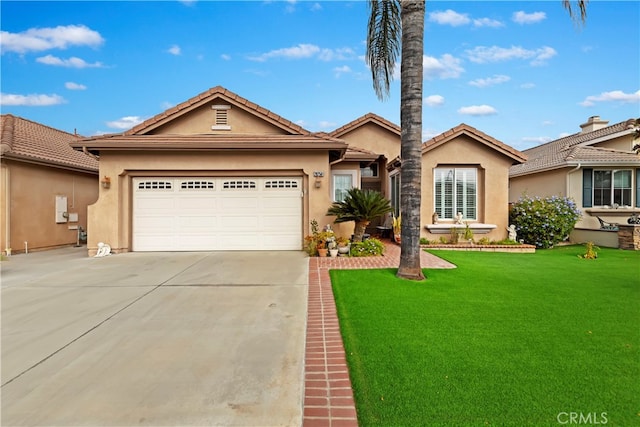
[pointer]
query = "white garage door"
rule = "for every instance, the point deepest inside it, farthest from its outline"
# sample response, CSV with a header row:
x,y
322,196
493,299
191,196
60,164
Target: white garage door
x,y
193,214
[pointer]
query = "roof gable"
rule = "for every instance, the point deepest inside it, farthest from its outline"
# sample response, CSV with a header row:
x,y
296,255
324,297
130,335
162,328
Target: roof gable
x,y
364,120
25,140
220,95
475,134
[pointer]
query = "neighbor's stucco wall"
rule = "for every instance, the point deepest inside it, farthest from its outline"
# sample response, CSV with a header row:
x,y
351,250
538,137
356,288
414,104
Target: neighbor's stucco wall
x,y
200,120
110,218
374,138
493,182
544,184
28,204
624,143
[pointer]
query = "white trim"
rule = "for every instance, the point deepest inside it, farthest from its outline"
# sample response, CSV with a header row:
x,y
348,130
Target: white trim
x,y
342,172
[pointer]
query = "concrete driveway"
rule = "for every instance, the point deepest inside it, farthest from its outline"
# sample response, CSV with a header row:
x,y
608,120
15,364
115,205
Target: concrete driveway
x,y
189,339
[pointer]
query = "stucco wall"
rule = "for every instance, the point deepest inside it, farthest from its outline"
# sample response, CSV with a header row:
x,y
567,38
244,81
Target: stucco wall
x,y
111,216
544,184
492,181
28,196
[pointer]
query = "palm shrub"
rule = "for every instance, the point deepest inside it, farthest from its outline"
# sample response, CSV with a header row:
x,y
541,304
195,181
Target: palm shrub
x,y
360,206
543,222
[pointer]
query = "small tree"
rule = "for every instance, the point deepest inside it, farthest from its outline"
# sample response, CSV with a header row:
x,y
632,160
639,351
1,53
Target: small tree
x,y
360,206
544,222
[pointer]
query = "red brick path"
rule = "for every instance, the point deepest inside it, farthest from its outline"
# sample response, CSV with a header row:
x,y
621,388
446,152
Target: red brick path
x,y
328,398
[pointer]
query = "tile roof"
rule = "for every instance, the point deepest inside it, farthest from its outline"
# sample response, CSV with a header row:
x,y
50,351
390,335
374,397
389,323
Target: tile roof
x,y
120,142
480,136
367,118
208,96
576,149
25,140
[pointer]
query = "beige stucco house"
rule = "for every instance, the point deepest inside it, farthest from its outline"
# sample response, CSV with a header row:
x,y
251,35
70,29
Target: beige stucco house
x,y
596,167
218,172
45,186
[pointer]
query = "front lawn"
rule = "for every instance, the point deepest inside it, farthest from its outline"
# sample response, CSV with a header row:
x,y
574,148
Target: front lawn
x,y
504,339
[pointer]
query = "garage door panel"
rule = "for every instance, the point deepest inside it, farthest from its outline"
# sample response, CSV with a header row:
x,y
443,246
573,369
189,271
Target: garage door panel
x,y
217,214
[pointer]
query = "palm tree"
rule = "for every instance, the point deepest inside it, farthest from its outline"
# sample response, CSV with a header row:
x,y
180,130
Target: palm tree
x,y
397,26
361,206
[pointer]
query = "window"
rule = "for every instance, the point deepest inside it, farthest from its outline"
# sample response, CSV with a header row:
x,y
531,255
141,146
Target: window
x,y
155,185
612,187
342,181
394,184
370,171
231,185
455,191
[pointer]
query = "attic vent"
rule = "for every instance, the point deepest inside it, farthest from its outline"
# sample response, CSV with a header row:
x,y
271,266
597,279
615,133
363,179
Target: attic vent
x,y
221,119
154,185
281,183
238,184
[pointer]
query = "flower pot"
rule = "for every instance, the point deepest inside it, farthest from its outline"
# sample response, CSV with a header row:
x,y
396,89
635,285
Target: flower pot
x,y
322,252
333,253
343,250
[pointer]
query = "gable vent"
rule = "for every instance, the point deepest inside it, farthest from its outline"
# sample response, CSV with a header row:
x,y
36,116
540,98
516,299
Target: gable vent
x,y
221,118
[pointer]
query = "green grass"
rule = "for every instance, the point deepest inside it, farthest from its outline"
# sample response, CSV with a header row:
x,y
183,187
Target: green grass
x,y
504,340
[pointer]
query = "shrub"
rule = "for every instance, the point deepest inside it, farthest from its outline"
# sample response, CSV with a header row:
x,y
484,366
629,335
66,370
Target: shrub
x,y
592,251
544,222
424,241
369,247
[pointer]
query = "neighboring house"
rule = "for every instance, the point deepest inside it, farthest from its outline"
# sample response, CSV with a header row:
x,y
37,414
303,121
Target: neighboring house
x,y
596,167
45,186
218,172
465,173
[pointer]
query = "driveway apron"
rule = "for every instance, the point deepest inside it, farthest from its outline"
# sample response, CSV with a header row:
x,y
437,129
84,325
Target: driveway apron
x,y
189,339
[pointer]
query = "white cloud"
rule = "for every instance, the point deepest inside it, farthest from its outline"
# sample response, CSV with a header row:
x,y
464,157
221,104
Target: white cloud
x,y
32,100
527,85
537,139
226,57
478,110
306,51
613,96
339,71
434,100
125,122
300,51
447,67
74,86
326,125
316,7
188,2
72,62
522,18
484,54
449,17
490,81
39,39
174,50
165,105
487,22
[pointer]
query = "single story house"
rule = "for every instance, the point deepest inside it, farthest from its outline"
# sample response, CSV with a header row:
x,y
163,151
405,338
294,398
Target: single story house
x,y
45,188
596,167
219,172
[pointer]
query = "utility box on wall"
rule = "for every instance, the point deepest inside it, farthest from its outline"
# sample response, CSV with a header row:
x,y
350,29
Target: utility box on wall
x,y
61,209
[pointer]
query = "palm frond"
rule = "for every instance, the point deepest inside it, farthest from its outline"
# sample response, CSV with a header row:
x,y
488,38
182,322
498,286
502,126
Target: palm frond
x,y
582,7
384,34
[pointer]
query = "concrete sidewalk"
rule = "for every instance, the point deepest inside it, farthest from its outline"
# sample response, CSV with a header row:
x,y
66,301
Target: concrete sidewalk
x,y
201,338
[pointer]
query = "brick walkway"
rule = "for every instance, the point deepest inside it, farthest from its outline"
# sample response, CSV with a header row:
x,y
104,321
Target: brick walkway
x,y
328,398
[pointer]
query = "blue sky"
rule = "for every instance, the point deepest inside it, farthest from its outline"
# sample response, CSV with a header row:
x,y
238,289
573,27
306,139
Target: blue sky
x,y
523,72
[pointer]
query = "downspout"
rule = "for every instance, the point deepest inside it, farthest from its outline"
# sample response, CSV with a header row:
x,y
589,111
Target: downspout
x,y
7,206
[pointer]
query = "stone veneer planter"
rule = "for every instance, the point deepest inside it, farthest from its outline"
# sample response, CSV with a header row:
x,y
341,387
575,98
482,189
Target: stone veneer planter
x,y
629,236
529,249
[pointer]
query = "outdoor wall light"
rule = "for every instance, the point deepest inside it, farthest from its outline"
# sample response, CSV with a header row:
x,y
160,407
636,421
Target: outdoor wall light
x,y
106,182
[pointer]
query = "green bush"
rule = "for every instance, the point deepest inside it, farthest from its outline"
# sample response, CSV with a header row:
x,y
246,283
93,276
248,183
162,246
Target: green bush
x,y
369,247
544,222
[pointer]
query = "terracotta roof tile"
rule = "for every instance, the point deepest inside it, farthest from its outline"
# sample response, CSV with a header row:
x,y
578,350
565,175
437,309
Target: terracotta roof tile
x,y
215,92
576,148
24,139
477,135
367,118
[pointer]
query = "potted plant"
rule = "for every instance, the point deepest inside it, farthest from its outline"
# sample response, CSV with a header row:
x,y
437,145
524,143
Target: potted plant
x,y
361,207
397,228
344,245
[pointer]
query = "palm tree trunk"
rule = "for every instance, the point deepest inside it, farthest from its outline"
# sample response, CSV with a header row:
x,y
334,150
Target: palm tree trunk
x,y
412,15
360,228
